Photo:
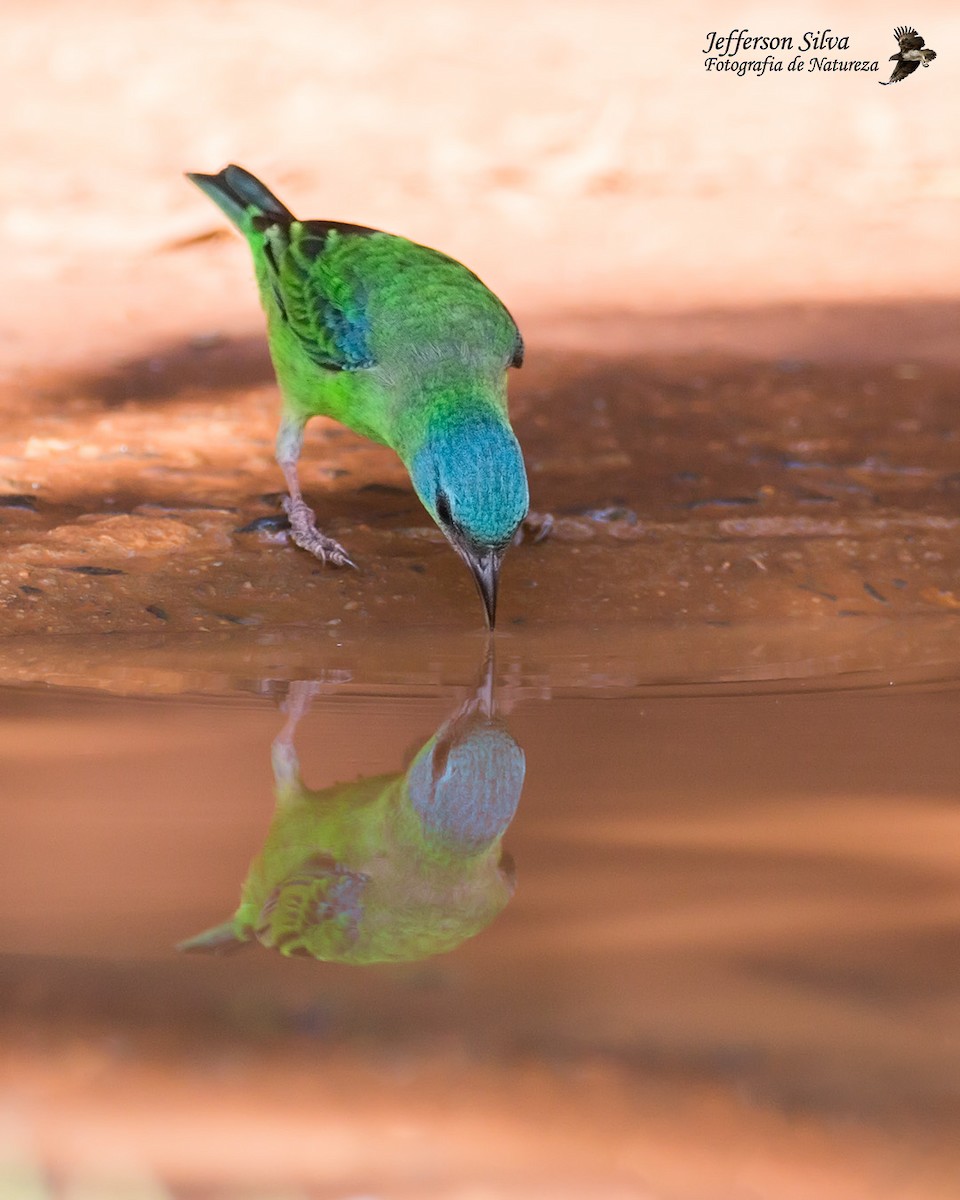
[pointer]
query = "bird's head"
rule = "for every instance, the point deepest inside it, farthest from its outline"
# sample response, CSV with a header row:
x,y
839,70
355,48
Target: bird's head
x,y
469,473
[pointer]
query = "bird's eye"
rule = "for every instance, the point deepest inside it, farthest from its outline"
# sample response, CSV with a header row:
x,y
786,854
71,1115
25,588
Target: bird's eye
x,y
443,508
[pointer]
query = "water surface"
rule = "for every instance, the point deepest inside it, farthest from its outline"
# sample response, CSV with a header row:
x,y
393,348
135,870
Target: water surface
x,y
614,911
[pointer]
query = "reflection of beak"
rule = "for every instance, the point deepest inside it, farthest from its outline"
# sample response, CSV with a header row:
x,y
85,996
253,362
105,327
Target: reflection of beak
x,y
485,565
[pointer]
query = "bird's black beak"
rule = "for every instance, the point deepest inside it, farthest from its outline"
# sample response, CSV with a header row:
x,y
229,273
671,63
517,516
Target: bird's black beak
x,y
485,565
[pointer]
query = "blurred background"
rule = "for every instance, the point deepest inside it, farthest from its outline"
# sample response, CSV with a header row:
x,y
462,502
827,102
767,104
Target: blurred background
x,y
579,157
729,968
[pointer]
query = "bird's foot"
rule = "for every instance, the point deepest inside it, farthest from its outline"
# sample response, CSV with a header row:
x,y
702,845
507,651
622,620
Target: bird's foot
x,y
535,526
304,531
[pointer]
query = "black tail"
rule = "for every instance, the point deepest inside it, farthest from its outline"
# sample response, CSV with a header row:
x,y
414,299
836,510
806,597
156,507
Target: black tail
x,y
237,192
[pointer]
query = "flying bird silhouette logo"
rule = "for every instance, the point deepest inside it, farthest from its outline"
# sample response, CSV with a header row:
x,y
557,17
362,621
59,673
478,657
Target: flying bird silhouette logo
x,y
912,54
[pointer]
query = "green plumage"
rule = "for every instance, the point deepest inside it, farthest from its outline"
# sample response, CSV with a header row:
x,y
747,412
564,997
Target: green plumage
x,y
387,869
402,344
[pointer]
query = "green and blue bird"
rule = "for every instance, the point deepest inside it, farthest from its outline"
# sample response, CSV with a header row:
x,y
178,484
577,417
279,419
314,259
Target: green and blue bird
x,y
393,868
403,345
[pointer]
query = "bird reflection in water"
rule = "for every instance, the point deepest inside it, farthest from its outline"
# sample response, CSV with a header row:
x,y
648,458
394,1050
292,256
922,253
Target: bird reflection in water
x,y
394,868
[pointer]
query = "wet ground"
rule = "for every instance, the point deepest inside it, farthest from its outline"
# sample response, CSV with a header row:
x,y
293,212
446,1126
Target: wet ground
x,y
305,895
812,478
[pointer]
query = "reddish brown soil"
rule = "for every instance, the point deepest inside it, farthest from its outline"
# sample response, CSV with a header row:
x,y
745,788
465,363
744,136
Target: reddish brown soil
x,y
740,303
705,268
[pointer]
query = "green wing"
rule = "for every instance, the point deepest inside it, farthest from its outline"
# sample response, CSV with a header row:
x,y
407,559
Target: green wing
x,y
325,311
321,280
299,267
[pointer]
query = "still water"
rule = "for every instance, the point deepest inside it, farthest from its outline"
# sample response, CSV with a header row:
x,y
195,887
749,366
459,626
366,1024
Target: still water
x,y
473,926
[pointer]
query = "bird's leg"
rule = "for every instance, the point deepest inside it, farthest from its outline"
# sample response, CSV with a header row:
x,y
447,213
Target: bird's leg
x,y
303,525
286,764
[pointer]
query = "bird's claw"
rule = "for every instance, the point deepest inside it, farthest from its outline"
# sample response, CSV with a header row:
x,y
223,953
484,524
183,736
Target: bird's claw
x,y
536,526
307,536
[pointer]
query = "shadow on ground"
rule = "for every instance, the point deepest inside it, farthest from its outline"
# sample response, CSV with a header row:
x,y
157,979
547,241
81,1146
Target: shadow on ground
x,y
690,480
